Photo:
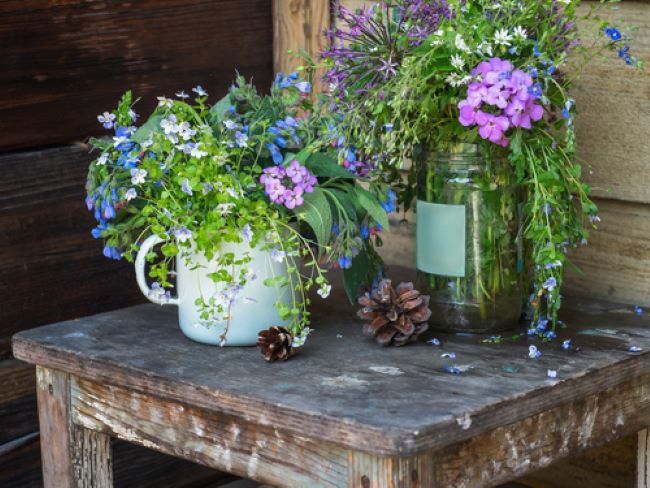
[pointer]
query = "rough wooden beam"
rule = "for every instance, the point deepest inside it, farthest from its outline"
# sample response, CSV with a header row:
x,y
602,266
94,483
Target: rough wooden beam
x,y
72,457
299,24
643,460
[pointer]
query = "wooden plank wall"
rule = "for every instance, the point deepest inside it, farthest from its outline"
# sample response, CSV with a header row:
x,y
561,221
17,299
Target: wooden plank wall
x,y
613,124
63,63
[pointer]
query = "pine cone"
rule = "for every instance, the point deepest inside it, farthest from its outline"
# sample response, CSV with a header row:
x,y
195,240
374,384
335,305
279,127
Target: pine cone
x,y
397,316
275,343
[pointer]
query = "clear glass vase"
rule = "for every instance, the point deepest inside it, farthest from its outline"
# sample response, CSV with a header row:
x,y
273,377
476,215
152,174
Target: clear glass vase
x,y
469,255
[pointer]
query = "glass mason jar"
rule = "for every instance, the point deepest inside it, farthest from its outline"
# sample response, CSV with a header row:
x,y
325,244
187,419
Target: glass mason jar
x,y
469,255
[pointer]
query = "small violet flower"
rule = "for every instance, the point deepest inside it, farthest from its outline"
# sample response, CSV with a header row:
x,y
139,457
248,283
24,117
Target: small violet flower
x,y
138,175
106,119
183,235
533,352
186,187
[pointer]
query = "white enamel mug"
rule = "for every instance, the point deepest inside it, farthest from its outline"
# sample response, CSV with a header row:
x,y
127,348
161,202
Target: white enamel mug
x,y
252,311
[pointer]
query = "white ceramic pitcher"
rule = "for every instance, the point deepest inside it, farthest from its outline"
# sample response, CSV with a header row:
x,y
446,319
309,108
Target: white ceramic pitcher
x,y
253,310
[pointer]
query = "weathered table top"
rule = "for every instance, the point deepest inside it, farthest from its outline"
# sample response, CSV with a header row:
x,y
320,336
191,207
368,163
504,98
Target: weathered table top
x,y
341,387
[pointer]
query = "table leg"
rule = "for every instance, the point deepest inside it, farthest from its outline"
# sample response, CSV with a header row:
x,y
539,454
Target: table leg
x,y
72,457
643,460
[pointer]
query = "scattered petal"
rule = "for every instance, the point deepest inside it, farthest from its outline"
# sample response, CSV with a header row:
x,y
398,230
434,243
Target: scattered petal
x,y
434,342
635,349
552,373
451,355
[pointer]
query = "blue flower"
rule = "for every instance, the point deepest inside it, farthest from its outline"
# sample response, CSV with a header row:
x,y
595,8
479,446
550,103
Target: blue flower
x,y
364,231
613,33
345,262
550,284
293,76
290,121
97,231
246,233
638,310
241,139
566,344
388,127
112,253
303,87
536,51
275,153
335,229
551,69
275,131
550,335
536,90
629,60
623,52
533,352
532,71
186,187
453,369
280,141
551,373
547,209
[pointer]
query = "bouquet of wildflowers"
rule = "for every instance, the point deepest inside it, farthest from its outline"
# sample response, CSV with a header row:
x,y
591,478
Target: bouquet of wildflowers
x,y
497,73
250,168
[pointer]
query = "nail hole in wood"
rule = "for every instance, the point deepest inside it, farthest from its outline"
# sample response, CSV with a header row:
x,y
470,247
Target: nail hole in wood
x,y
50,388
365,482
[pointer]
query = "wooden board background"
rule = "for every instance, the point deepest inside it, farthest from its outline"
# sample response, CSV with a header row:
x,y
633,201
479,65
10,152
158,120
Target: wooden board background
x,y
63,62
613,124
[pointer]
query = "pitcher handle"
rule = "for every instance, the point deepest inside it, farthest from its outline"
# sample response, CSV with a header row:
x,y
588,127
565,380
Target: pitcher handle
x,y
140,263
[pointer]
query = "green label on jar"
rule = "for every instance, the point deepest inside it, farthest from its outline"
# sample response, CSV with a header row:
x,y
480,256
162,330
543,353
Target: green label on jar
x,y
440,243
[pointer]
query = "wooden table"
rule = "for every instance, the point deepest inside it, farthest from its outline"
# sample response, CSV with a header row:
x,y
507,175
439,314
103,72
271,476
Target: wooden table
x,y
344,412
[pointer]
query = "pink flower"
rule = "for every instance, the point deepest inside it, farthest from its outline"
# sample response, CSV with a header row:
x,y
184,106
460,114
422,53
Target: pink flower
x,y
494,128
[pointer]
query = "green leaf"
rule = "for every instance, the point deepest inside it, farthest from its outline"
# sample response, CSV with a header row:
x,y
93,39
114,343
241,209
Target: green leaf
x,y
355,277
372,206
323,165
146,129
218,111
317,214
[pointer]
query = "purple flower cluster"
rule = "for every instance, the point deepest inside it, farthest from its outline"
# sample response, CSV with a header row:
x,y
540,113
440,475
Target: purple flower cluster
x,y
510,96
286,186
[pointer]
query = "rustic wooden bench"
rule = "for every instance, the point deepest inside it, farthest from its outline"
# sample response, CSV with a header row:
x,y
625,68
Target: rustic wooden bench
x,y
343,412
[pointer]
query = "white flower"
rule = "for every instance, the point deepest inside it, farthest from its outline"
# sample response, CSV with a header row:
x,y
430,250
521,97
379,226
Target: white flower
x,y
106,119
299,340
181,94
460,43
278,256
520,33
200,91
146,144
101,160
232,192
230,124
324,290
484,49
224,208
183,235
165,102
456,80
502,38
195,152
185,131
130,194
457,62
169,125
138,175
120,140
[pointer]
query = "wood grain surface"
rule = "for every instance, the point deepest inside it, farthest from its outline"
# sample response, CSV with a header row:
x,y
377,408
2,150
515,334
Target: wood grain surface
x,y
299,24
64,62
356,394
52,269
